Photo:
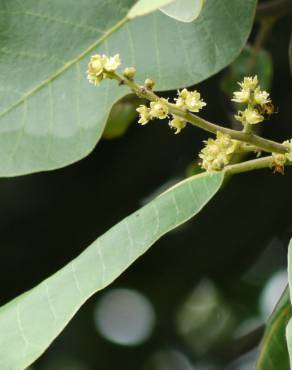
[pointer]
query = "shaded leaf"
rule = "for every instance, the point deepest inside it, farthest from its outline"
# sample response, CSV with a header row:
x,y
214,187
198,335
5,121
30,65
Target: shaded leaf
x,y
273,354
122,115
49,115
184,10
32,321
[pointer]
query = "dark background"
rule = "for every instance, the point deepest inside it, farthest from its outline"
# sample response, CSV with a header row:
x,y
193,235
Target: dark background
x,y
236,244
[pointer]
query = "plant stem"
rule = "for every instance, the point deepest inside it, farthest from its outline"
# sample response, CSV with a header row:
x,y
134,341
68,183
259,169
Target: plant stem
x,y
248,137
254,164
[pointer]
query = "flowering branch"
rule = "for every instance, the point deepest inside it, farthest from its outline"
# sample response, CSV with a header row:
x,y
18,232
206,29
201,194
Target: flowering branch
x,y
250,138
218,152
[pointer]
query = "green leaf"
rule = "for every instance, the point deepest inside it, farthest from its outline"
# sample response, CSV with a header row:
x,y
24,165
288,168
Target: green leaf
x,y
122,115
50,116
273,354
184,10
32,321
289,326
143,7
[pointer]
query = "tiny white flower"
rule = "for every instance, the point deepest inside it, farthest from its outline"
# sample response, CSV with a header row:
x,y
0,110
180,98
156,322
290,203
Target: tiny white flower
x,y
261,97
249,83
112,63
178,124
144,113
241,96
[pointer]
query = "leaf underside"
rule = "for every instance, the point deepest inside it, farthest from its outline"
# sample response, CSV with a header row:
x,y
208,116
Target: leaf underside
x,y
50,116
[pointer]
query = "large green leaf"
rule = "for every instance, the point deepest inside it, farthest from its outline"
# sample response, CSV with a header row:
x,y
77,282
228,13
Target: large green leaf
x,y
49,115
273,354
32,321
289,326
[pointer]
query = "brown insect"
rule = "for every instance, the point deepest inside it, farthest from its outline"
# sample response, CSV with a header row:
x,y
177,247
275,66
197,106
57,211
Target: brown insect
x,y
267,110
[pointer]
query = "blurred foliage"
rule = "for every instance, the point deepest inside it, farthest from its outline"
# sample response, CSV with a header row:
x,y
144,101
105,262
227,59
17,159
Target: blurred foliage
x,y
273,353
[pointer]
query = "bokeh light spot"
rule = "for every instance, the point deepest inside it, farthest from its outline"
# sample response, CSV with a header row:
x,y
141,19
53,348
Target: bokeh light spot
x,y
125,317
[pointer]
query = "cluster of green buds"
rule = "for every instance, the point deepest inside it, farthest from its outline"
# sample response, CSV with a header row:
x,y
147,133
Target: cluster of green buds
x,y
99,65
217,152
255,99
186,100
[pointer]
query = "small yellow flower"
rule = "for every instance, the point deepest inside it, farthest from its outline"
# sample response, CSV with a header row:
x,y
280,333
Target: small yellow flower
x,y
99,64
250,116
190,100
242,96
96,68
144,113
159,109
112,63
260,97
178,124
193,101
249,83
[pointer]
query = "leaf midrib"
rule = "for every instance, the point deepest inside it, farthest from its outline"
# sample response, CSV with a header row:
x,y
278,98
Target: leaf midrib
x,y
106,34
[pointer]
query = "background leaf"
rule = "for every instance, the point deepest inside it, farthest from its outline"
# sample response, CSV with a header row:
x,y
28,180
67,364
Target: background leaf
x,y
30,323
184,10
49,115
273,352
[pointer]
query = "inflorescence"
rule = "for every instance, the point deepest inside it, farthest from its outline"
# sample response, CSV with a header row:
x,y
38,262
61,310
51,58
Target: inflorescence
x,y
218,152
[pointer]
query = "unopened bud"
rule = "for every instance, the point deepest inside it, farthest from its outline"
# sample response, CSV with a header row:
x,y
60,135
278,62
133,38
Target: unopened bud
x,y
149,84
129,72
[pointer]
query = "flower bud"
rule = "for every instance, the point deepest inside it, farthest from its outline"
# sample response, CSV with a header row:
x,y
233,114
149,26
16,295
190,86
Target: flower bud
x,y
129,72
149,84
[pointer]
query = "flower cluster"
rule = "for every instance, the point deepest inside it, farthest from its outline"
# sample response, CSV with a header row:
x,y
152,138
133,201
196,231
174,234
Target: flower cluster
x,y
190,101
217,152
158,109
255,98
99,65
102,66
187,101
